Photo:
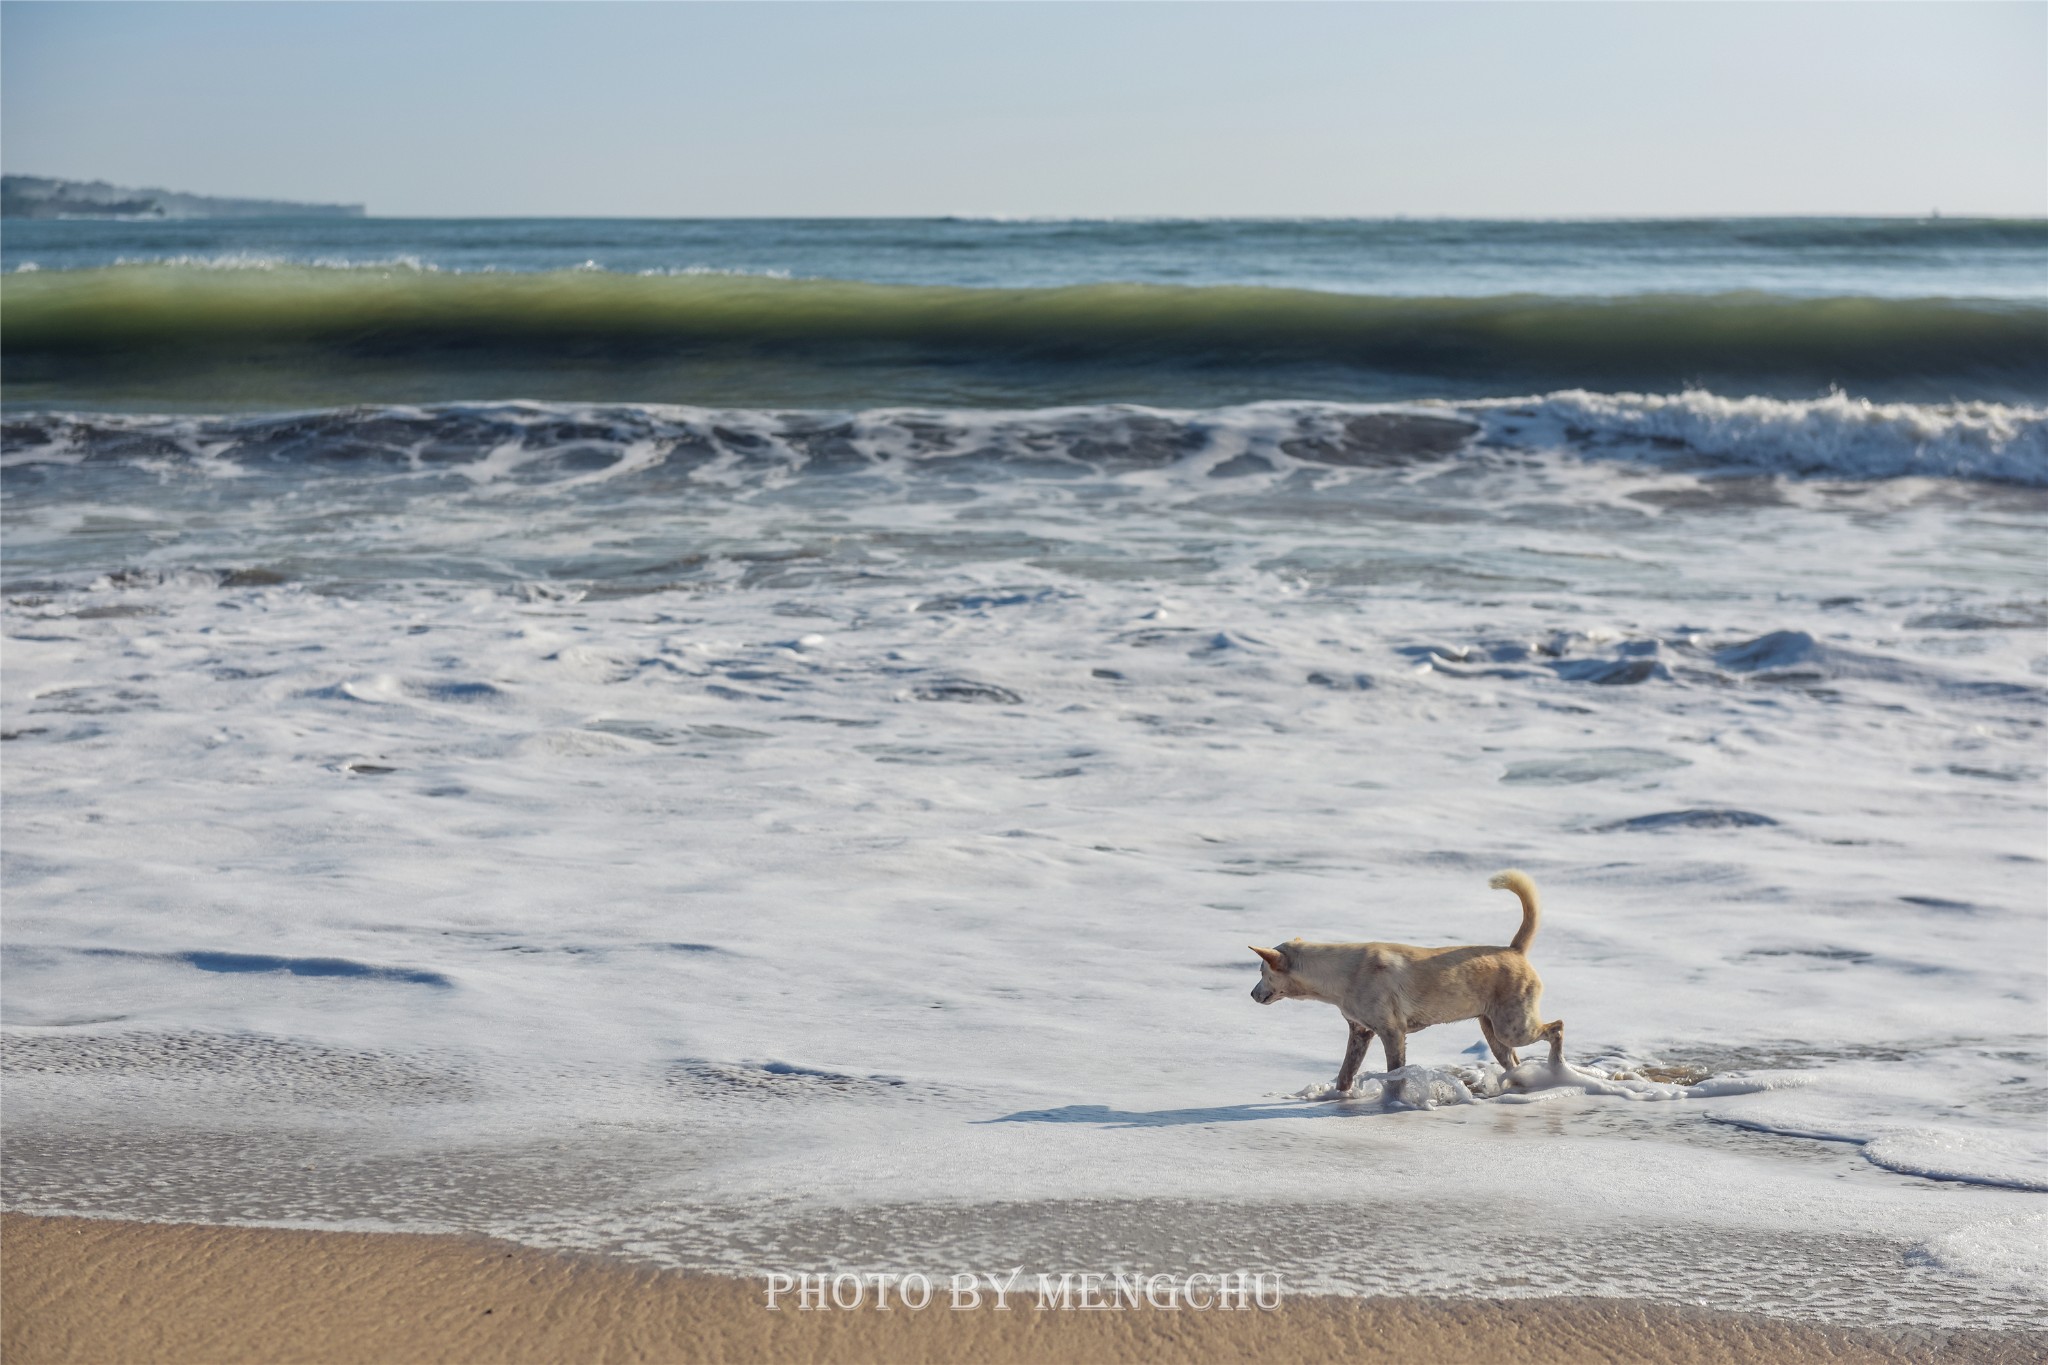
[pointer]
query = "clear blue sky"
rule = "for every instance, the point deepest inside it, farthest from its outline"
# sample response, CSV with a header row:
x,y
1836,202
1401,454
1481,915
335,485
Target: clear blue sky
x,y
1172,109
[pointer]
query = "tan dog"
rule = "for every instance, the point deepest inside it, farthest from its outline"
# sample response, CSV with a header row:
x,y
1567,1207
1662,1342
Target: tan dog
x,y
1392,989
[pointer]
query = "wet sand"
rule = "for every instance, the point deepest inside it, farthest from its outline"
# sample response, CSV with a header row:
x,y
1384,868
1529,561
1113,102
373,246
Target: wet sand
x,y
101,1290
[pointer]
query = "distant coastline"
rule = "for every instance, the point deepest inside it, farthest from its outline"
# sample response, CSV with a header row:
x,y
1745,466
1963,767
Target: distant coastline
x,y
38,196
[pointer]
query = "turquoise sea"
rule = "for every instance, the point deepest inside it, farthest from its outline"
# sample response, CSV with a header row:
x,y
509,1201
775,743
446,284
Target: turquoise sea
x,y
766,313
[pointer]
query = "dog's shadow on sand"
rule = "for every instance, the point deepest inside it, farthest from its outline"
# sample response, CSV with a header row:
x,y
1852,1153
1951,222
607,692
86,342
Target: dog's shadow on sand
x,y
1102,1116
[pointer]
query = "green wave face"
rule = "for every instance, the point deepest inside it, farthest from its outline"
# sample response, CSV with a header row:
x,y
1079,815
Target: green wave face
x,y
306,334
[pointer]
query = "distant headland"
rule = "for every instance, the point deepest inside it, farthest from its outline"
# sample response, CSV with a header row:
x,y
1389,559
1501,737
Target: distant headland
x,y
40,196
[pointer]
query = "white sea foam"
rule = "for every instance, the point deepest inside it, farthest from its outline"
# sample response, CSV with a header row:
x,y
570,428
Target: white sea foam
x,y
781,831
403,262
1905,1123
733,271
1426,1087
1677,438
2011,1251
1837,436
1412,1087
1964,1154
267,261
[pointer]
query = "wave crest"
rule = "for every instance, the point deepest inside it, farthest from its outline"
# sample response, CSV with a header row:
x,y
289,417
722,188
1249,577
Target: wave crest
x,y
1839,436
561,443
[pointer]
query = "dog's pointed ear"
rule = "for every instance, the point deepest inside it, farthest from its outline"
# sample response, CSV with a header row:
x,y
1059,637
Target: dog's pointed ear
x,y
1272,957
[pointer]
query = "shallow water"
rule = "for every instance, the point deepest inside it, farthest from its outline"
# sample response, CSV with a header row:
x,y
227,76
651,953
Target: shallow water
x,y
793,830
732,839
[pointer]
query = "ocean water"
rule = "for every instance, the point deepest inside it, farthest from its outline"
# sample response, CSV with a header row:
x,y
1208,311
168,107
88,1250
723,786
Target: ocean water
x,y
254,316
776,767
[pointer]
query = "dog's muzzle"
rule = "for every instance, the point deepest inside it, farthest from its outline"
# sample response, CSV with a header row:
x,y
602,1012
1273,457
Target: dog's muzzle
x,y
1263,993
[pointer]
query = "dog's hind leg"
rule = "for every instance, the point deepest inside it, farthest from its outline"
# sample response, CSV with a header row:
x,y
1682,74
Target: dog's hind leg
x,y
1354,1057
1502,1053
1554,1031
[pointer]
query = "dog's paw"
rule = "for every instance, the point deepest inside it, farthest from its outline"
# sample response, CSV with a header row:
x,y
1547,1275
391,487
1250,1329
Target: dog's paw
x,y
1327,1092
1484,1081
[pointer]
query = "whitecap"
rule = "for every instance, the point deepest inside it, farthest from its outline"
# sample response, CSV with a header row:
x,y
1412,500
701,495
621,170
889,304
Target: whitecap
x,y
1838,435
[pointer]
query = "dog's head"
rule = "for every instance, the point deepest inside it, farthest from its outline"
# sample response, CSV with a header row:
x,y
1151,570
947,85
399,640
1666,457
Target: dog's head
x,y
1276,975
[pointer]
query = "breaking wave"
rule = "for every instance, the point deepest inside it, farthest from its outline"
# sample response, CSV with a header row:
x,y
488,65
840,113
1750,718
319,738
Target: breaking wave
x,y
68,330
1836,438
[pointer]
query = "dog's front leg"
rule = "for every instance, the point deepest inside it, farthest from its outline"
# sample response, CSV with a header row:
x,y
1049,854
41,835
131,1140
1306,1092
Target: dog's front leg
x,y
1354,1057
1396,1044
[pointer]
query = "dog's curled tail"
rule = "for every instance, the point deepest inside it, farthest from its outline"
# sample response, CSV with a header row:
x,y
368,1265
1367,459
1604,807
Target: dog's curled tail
x,y
1525,891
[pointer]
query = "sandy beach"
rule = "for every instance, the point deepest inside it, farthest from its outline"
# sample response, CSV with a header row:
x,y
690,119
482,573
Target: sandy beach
x,y
102,1290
